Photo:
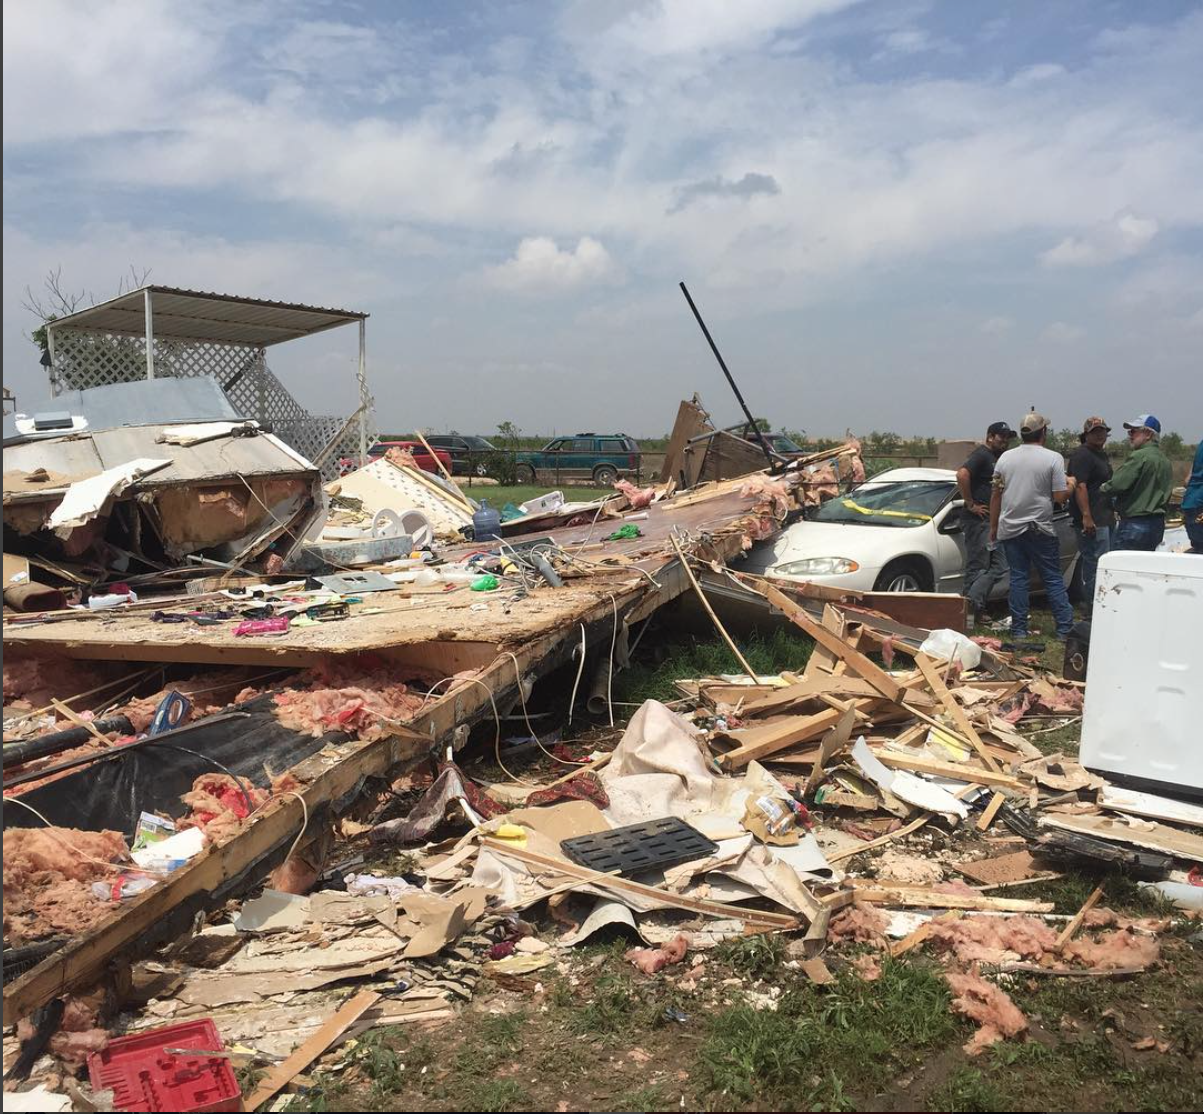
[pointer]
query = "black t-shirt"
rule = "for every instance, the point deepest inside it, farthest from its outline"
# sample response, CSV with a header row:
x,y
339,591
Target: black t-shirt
x,y
981,466
1091,467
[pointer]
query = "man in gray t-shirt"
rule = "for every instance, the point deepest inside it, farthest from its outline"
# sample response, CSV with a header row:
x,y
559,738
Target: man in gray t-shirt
x,y
1029,480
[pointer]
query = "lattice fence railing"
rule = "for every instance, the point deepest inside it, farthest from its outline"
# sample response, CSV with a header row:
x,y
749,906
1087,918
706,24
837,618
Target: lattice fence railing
x,y
84,359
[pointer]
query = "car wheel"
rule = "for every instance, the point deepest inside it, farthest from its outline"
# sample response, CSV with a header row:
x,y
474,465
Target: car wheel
x,y
605,475
524,473
904,576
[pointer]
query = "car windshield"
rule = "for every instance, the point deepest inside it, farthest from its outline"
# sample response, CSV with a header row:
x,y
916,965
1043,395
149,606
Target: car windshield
x,y
785,445
478,443
891,503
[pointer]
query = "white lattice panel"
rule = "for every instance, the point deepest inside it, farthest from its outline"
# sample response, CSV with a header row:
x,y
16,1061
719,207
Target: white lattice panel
x,y
84,359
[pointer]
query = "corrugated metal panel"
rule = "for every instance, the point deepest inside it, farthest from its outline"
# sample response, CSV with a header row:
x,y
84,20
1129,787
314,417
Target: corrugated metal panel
x,y
199,315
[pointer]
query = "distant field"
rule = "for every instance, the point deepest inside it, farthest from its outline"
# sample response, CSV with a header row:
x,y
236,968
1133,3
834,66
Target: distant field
x,y
500,496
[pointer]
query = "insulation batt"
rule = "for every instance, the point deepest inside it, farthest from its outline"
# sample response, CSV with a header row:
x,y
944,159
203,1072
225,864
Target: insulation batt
x,y
636,496
1114,950
218,806
651,960
773,495
39,679
994,939
996,1014
48,875
861,923
79,1032
343,698
867,968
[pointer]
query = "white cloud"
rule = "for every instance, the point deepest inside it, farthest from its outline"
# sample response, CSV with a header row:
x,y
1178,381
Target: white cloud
x,y
997,326
539,266
1059,332
1035,74
1124,236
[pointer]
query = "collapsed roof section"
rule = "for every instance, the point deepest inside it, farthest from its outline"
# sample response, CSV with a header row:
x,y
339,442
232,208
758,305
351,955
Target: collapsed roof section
x,y
165,332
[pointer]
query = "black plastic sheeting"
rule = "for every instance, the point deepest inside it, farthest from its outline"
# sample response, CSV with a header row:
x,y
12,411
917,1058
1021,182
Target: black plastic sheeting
x,y
152,776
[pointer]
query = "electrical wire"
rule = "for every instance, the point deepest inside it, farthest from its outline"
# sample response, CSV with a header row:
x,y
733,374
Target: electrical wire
x,y
82,854
242,788
610,672
304,823
523,700
580,670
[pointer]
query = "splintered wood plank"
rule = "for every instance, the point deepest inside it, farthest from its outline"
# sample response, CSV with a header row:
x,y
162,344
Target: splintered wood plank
x,y
855,659
942,693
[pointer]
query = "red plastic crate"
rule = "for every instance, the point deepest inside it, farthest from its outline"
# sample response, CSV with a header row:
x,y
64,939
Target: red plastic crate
x,y
145,1077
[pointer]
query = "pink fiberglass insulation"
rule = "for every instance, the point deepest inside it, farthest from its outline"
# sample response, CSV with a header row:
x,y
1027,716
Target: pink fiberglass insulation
x,y
1113,950
772,496
218,804
981,1001
637,497
994,939
79,1033
343,698
209,692
861,923
651,960
37,679
48,876
867,968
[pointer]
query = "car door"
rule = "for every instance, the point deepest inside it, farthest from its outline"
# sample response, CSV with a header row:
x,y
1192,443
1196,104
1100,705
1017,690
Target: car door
x,y
578,457
948,546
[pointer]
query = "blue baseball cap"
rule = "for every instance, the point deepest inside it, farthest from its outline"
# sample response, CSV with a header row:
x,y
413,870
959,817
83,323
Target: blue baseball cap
x,y
1145,421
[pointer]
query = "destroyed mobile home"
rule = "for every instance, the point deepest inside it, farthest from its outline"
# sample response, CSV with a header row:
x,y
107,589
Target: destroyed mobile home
x,y
237,807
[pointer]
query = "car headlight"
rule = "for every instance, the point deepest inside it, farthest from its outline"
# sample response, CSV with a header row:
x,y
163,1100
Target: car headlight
x,y
817,566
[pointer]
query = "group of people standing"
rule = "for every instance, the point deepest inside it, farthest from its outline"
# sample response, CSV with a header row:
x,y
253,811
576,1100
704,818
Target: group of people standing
x,y
1010,495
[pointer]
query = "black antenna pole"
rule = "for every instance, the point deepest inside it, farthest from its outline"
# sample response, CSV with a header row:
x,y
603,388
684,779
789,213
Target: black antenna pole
x,y
752,422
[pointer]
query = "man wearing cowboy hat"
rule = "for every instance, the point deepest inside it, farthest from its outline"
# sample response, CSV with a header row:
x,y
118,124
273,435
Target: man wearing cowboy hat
x,y
1090,509
1141,488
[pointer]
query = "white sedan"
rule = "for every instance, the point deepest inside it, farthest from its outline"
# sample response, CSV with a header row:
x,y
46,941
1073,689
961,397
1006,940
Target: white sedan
x,y
900,531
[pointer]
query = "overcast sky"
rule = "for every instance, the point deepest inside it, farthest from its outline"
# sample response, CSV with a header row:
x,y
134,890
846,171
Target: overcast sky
x,y
901,215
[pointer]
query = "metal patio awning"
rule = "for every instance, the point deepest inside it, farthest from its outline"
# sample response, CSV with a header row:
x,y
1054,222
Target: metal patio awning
x,y
200,316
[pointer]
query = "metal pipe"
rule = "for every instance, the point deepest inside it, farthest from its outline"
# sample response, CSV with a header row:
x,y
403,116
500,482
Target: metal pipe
x,y
150,334
731,382
56,742
363,383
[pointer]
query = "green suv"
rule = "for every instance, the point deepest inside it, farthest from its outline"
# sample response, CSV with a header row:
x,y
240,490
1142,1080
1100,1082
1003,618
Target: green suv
x,y
601,457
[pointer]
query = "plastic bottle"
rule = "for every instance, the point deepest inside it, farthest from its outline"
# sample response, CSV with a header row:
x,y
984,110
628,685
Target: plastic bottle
x,y
486,523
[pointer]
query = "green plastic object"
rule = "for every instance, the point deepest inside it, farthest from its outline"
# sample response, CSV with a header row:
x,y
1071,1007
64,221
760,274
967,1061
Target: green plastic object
x,y
486,583
510,512
623,533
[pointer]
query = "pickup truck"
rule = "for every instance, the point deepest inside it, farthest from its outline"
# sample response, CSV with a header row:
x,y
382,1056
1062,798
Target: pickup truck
x,y
600,457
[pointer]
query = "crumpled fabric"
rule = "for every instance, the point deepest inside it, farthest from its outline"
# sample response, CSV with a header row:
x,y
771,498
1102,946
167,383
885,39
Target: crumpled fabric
x,y
429,812
584,787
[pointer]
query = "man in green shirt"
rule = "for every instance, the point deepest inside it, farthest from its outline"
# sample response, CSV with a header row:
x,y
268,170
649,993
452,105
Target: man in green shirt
x,y
1141,488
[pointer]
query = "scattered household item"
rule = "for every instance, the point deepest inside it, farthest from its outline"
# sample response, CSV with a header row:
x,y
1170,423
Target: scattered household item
x,y
486,523
950,645
144,1076
543,504
1141,714
637,847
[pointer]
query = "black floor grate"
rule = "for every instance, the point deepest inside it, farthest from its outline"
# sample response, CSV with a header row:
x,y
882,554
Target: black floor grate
x,y
637,847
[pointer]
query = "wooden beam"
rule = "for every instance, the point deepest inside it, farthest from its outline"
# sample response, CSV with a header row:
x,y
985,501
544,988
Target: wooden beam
x,y
890,837
279,1077
988,814
925,897
922,764
1076,921
759,742
706,604
834,741
926,666
856,661
626,885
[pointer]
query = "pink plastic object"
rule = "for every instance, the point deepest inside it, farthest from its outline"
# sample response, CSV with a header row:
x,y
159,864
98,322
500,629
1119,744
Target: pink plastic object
x,y
144,1076
278,624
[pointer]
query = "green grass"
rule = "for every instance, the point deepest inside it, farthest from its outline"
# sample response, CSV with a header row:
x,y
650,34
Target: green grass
x,y
496,1094
968,1089
818,1043
499,496
704,658
756,957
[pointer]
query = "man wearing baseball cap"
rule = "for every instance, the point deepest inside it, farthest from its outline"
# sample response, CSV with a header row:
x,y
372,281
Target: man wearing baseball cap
x,y
1028,481
984,567
1090,508
1141,488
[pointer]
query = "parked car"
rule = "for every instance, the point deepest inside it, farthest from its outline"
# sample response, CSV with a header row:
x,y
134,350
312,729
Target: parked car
x,y
602,457
900,531
467,453
422,458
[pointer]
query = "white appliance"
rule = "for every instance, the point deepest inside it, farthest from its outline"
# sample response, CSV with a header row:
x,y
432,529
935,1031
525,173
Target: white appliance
x,y
1142,710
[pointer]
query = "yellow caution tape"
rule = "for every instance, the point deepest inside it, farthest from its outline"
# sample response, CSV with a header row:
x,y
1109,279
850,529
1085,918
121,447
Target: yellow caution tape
x,y
888,514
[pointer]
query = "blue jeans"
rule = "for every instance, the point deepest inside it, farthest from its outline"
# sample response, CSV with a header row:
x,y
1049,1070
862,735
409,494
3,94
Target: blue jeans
x,y
1091,548
1035,548
1140,533
984,567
